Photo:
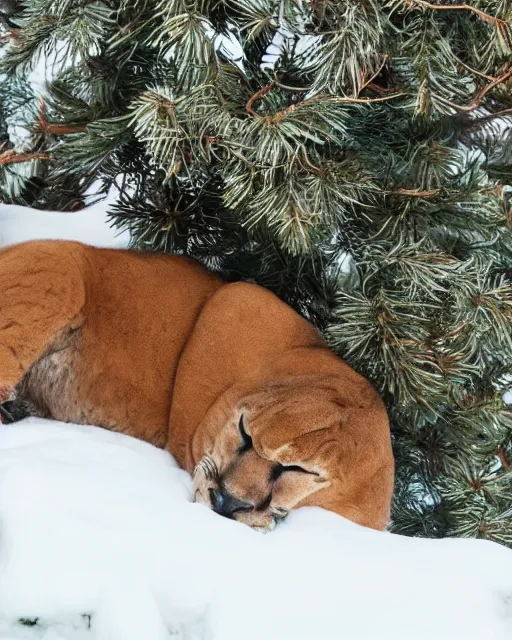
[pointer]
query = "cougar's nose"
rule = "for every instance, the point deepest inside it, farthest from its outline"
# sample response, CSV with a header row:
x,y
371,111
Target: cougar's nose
x,y
227,505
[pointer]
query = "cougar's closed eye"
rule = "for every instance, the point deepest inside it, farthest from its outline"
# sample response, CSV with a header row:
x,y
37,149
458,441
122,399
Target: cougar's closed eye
x,y
246,438
279,469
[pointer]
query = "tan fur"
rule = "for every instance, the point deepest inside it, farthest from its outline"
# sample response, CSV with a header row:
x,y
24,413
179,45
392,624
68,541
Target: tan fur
x,y
159,348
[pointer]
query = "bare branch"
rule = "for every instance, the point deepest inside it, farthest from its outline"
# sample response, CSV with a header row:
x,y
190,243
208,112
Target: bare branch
x,y
479,96
503,459
55,128
461,7
257,96
367,100
63,129
281,114
372,78
11,157
416,193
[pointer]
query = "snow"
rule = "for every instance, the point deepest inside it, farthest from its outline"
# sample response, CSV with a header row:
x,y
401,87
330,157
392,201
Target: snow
x,y
101,524
89,225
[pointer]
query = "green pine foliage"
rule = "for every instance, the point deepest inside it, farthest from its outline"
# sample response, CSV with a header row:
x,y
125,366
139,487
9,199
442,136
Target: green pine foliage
x,y
362,177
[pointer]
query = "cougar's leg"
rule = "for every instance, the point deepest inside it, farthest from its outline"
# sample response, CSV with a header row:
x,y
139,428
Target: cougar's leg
x,y
41,292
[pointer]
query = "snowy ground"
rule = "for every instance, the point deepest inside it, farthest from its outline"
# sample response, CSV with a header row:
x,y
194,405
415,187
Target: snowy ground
x,y
101,524
99,541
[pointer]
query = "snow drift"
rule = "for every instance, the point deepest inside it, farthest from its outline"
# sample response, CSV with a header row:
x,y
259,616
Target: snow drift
x,y
98,524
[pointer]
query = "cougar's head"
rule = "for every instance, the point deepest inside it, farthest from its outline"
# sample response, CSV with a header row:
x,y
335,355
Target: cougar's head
x,y
282,446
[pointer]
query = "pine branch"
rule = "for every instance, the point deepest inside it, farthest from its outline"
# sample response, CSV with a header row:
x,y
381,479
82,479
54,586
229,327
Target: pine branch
x,y
461,7
476,102
279,115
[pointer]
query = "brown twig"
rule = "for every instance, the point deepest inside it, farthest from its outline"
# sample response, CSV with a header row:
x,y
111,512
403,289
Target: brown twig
x,y
367,100
11,157
461,7
378,89
479,96
257,96
63,129
310,165
477,99
503,459
55,128
281,114
475,71
416,193
372,78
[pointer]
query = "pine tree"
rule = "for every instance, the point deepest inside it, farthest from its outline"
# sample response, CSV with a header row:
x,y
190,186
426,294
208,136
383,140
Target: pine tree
x,y
351,155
